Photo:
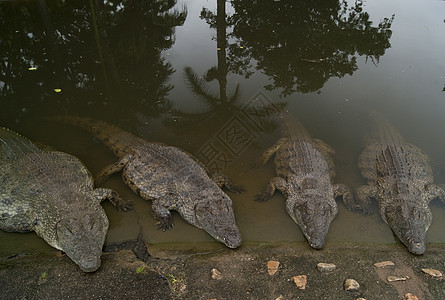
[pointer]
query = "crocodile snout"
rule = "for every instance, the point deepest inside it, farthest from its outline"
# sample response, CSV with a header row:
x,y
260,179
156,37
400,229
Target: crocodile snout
x,y
319,244
90,264
416,247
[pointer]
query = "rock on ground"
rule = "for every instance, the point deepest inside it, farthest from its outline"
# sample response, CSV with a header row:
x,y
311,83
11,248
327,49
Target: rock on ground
x,y
384,264
272,266
216,274
351,284
300,281
325,267
410,296
397,278
432,272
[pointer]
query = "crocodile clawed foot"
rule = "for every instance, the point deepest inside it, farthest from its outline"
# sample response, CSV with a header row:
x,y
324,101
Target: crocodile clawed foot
x,y
165,223
224,181
360,209
366,210
121,204
358,203
124,206
237,189
262,197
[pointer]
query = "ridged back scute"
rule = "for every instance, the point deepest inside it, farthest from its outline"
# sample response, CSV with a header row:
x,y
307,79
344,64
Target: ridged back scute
x,y
13,145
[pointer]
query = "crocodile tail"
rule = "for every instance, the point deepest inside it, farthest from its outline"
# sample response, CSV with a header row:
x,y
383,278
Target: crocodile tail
x,y
292,127
118,140
13,145
384,131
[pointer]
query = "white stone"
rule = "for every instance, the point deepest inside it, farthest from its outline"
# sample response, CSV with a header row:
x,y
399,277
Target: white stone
x,y
216,274
383,264
397,278
325,267
432,272
410,296
351,285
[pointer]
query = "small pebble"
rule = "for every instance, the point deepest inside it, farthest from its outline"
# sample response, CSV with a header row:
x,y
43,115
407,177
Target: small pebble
x,y
325,267
383,264
216,274
272,266
397,278
410,296
432,272
351,285
300,281
360,299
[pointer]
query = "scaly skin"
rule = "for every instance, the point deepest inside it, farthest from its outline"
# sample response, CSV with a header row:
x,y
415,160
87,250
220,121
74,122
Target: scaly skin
x,y
171,178
304,176
400,178
52,193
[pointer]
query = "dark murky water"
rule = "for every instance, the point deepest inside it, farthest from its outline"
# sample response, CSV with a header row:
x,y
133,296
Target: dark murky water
x,y
184,75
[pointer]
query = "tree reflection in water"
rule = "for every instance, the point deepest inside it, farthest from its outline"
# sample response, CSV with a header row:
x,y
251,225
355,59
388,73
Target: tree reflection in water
x,y
104,56
299,45
221,107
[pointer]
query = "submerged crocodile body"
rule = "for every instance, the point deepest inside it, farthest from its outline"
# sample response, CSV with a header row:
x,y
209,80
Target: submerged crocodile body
x,y
400,178
52,193
171,178
305,171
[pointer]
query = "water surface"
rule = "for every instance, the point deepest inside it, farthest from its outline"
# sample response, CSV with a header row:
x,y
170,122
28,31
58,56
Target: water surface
x,y
186,74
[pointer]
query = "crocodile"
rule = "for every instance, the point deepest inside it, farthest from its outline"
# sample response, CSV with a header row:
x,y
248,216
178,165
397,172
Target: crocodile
x,y
171,178
305,173
400,178
52,193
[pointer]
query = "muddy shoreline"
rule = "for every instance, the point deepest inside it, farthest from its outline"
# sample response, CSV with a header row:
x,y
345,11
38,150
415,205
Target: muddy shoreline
x,y
184,271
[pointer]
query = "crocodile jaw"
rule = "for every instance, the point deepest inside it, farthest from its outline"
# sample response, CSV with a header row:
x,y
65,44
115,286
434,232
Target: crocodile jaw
x,y
82,239
314,217
409,222
215,216
417,248
221,229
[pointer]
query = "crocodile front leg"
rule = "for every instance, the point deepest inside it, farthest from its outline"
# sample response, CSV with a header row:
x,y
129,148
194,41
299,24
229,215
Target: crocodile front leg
x,y
350,201
222,180
274,184
363,195
346,194
161,212
111,169
100,194
436,191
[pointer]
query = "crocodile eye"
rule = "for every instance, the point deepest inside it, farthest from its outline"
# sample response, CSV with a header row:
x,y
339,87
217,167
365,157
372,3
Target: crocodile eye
x,y
93,224
65,230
